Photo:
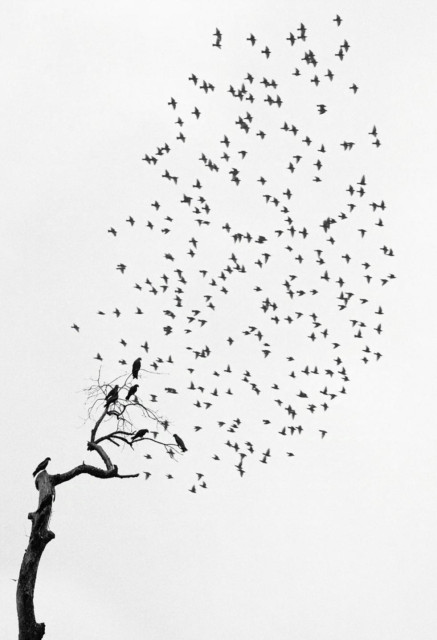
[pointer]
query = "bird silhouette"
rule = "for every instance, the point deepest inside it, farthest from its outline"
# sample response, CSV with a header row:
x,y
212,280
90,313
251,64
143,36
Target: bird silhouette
x,y
180,443
136,366
42,466
112,396
132,391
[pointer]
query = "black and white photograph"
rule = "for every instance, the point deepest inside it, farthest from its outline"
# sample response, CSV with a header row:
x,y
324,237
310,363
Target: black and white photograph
x,y
218,320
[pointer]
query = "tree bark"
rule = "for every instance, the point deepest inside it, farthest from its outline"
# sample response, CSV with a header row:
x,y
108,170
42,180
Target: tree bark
x,y
40,536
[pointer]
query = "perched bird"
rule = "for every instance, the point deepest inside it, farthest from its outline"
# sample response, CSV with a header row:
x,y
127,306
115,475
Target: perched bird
x,y
136,366
42,465
180,442
112,396
132,391
139,434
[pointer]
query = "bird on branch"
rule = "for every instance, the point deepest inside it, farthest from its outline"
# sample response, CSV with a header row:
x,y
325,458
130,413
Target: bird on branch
x,y
136,368
112,396
42,465
180,442
140,434
132,391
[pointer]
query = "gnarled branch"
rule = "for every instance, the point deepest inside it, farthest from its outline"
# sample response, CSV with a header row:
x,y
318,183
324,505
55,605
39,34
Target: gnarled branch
x,y
111,470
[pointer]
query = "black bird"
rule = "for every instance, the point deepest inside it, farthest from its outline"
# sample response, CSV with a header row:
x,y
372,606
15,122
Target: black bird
x,y
302,32
42,465
218,37
112,396
140,434
136,368
180,442
132,391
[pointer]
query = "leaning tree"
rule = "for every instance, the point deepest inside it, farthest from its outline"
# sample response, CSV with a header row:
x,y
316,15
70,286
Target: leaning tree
x,y
118,417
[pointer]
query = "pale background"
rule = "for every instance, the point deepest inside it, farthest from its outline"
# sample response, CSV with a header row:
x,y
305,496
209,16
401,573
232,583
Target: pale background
x,y
341,544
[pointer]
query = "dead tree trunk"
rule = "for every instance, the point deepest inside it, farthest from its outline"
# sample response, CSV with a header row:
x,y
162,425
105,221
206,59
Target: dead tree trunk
x,y
40,536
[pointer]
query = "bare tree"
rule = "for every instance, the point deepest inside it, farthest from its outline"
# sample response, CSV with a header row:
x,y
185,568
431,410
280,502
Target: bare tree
x,y
112,423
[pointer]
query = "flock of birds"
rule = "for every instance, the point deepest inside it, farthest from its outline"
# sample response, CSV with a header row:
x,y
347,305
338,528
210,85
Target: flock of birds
x,y
261,288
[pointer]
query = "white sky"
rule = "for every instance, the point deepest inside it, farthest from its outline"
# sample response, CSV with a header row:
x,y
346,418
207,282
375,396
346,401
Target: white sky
x,y
337,543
